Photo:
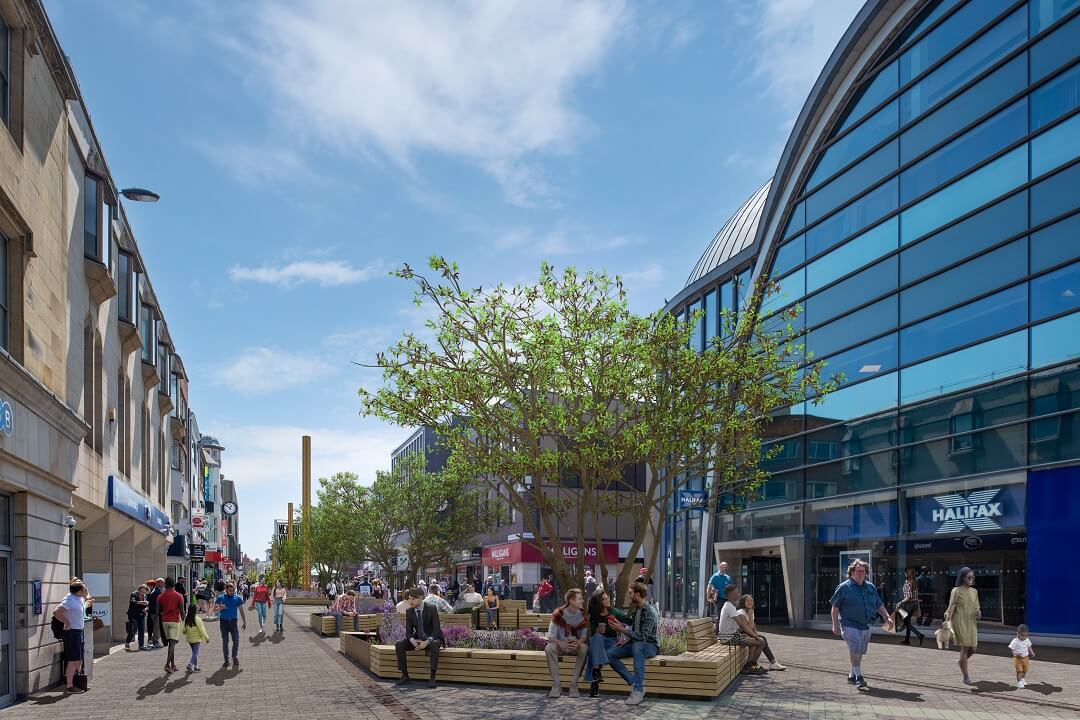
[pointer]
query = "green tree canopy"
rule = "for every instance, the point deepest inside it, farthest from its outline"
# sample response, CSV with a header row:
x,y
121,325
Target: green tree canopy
x,y
550,393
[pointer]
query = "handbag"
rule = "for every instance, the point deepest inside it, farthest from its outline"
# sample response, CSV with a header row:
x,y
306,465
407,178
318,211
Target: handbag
x,y
98,623
80,681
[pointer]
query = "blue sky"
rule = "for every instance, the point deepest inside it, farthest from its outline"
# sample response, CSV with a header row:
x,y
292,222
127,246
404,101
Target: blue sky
x,y
302,153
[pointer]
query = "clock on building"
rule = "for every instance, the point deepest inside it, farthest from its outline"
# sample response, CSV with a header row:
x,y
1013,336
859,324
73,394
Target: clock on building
x,y
228,508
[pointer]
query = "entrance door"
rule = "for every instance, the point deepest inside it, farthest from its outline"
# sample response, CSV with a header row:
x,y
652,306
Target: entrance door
x,y
7,635
763,577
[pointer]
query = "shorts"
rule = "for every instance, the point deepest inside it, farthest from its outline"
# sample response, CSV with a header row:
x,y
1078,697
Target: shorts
x,y
172,631
73,645
740,638
858,641
1021,663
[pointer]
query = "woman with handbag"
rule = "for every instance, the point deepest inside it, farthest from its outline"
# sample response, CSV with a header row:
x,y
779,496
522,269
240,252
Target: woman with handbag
x,y
907,607
963,615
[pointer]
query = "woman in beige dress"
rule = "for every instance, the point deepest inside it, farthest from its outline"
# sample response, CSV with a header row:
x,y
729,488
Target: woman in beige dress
x,y
963,613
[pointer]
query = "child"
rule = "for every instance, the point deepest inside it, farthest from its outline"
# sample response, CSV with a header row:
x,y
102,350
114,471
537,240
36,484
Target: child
x,y
195,632
1022,652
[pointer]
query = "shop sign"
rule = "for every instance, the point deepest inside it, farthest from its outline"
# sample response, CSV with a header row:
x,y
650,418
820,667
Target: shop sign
x,y
692,499
198,521
989,510
975,512
125,499
516,552
198,552
7,416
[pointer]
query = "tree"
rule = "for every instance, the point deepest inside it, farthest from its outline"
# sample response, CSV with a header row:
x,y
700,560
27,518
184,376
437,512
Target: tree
x,y
437,509
288,560
563,390
370,512
335,532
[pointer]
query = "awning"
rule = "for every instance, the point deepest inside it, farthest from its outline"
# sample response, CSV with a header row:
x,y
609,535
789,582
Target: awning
x,y
179,547
212,556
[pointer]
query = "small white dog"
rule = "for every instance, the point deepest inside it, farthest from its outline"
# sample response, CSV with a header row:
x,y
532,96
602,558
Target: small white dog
x,y
944,636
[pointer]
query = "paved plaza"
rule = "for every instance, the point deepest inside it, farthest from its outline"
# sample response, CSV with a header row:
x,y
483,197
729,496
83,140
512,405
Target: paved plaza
x,y
298,673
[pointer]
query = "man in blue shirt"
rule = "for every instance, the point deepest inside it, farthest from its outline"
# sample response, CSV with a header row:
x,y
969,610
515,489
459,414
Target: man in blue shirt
x,y
854,605
717,588
227,605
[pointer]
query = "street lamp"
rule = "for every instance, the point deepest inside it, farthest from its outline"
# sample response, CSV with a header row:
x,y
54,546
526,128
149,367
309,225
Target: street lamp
x,y
140,194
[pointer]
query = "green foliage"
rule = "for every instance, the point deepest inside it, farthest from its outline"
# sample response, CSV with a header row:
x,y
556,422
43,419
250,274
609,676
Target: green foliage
x,y
550,392
288,560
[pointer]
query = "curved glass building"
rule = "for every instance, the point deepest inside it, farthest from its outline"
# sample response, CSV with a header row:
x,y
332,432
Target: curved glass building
x,y
924,215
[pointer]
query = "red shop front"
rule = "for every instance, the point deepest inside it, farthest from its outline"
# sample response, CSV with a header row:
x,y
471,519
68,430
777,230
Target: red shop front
x,y
521,564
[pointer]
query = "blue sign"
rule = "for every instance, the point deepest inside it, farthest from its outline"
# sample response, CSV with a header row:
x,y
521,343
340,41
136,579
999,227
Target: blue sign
x,y
206,483
692,499
7,418
981,511
123,498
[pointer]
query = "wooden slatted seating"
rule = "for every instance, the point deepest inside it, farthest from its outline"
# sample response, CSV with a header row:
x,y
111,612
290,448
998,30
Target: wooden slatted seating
x,y
326,624
372,622
703,673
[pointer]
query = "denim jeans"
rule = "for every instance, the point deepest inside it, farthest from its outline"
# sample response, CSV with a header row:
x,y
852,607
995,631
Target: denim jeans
x,y
229,629
260,610
640,651
137,625
599,647
279,612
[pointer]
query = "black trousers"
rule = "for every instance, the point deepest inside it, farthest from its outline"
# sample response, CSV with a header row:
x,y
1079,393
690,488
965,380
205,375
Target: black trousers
x,y
403,646
136,625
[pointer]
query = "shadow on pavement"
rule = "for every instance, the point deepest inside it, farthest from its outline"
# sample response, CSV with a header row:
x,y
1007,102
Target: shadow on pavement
x,y
50,699
177,684
1045,688
218,678
153,687
257,639
986,686
893,694
277,637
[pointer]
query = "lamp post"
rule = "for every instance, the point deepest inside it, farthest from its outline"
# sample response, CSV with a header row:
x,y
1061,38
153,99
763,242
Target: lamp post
x,y
140,194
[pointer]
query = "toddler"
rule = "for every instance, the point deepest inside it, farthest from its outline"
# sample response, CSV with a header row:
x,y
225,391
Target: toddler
x,y
1022,653
195,632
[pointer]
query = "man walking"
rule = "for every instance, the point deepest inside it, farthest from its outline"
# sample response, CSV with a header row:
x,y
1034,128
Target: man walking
x,y
643,633
567,636
228,605
590,584
716,591
422,632
854,605
170,605
72,612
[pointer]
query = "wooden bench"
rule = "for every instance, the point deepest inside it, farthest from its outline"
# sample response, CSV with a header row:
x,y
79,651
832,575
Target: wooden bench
x,y
326,624
372,622
702,643
318,601
701,674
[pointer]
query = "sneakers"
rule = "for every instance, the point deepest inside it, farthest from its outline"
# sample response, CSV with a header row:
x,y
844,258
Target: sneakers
x,y
776,665
636,696
860,681
852,680
189,668
403,680
1021,683
573,692
127,646
225,665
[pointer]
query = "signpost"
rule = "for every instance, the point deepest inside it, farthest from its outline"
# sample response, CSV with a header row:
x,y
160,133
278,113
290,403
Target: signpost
x,y
198,552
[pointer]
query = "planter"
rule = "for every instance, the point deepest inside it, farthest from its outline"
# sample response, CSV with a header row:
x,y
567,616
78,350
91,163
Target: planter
x,y
702,675
326,624
316,601
372,622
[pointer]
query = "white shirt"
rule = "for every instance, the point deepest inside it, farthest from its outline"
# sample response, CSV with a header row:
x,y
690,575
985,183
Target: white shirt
x,y
1020,648
728,614
75,610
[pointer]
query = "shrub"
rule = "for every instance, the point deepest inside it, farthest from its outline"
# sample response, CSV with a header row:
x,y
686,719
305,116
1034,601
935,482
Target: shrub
x,y
454,634
672,636
392,629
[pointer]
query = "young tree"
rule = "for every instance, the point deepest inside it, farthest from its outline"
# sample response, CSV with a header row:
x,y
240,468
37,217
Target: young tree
x,y
564,390
371,514
288,560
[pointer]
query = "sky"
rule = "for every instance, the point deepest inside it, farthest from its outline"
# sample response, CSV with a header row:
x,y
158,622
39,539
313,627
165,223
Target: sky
x,y
302,150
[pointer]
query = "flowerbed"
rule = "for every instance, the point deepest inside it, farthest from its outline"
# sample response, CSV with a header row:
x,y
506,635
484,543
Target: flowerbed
x,y
672,635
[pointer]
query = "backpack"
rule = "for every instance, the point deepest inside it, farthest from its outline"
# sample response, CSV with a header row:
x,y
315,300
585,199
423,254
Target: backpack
x,y
57,627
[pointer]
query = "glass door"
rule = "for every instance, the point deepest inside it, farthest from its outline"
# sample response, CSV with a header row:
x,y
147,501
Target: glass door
x,y
7,635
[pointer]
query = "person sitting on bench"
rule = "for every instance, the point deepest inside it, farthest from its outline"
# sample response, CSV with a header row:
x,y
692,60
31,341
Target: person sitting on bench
x,y
422,632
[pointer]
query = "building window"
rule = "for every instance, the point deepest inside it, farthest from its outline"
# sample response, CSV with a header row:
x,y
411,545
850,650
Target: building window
x,y
123,423
162,472
88,381
963,439
851,445
92,217
99,395
125,284
144,461
147,331
5,72
4,292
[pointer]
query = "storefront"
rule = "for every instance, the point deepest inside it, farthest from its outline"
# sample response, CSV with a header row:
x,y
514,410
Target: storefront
x,y
522,566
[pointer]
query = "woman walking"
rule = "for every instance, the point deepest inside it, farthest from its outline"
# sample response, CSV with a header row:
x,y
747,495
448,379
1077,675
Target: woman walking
x,y
491,607
260,601
602,636
279,605
907,607
962,614
195,632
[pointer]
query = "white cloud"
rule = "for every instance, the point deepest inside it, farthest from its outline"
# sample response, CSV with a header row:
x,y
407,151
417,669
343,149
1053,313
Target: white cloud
x,y
327,273
253,164
486,81
264,461
563,239
792,41
262,370
649,276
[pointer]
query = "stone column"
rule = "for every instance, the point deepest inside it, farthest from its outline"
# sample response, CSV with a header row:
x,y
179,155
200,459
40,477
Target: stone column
x,y
97,551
